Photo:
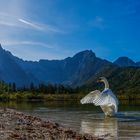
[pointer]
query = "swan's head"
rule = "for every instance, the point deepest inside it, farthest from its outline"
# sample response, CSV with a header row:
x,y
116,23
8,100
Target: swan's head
x,y
104,80
101,79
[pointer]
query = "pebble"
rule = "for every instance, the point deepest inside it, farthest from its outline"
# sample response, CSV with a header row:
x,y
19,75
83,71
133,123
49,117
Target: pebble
x,y
19,126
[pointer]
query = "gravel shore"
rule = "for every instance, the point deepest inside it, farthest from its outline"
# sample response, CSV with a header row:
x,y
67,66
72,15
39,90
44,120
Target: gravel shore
x,y
15,125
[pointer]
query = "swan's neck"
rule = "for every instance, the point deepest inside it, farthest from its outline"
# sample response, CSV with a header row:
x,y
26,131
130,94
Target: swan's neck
x,y
106,84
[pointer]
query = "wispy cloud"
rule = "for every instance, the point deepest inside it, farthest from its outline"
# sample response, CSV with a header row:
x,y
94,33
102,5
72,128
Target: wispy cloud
x,y
7,24
40,26
6,20
30,24
28,43
15,21
97,22
38,44
34,50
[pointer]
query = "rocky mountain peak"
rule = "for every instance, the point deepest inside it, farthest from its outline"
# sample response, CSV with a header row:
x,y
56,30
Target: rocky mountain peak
x,y
124,62
84,54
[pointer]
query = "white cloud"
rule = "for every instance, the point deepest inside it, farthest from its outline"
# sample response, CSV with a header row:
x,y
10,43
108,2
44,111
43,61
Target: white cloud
x,y
12,21
7,20
6,24
40,26
30,24
21,30
38,44
28,43
30,50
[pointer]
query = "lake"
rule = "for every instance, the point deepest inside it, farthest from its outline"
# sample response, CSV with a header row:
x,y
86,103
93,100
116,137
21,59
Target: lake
x,y
86,118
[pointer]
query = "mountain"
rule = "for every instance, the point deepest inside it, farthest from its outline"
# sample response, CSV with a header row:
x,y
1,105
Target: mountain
x,y
10,71
74,71
85,65
71,71
122,80
138,64
124,62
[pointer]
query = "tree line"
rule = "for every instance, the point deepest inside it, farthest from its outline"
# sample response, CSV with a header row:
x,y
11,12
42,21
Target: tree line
x,y
41,88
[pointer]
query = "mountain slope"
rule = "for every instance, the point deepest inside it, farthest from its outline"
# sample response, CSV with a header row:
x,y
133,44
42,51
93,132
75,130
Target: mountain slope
x,y
124,62
82,68
138,64
122,80
10,71
88,66
72,70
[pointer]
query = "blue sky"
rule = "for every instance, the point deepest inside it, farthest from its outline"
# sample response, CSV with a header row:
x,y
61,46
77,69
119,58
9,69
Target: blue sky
x,y
56,29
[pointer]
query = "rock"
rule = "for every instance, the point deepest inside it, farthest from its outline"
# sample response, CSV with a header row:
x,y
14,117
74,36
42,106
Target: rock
x,y
19,126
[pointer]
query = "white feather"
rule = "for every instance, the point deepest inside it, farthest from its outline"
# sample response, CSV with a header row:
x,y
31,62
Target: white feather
x,y
106,99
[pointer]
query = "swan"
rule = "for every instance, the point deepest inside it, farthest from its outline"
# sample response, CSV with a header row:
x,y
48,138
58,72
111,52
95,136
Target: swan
x,y
105,99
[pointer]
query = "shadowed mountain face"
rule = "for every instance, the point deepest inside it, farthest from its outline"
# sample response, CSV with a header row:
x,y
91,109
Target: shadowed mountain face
x,y
10,71
126,62
122,80
138,64
72,71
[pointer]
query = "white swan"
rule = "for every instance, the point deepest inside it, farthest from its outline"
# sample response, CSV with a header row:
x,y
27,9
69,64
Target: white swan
x,y
105,99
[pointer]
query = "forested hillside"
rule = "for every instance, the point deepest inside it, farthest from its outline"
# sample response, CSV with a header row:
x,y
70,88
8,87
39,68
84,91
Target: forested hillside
x,y
122,80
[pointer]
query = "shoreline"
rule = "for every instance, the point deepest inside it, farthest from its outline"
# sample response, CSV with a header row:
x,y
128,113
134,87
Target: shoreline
x,y
26,96
15,125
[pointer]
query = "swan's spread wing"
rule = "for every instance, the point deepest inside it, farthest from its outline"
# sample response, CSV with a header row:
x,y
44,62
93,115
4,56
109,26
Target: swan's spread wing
x,y
101,100
91,97
107,98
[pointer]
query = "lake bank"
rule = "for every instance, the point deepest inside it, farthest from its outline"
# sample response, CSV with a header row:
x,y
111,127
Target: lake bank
x,y
16,125
27,96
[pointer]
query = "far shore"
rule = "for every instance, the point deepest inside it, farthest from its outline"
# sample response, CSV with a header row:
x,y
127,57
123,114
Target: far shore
x,y
15,125
27,96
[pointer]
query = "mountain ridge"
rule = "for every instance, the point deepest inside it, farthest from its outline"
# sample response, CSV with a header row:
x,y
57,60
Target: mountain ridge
x,y
1,48
124,61
122,80
10,71
72,71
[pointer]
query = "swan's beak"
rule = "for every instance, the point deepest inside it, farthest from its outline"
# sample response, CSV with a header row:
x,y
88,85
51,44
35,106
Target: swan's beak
x,y
98,81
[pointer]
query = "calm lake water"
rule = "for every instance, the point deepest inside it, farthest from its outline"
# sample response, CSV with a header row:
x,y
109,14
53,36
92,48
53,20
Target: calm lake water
x,y
87,118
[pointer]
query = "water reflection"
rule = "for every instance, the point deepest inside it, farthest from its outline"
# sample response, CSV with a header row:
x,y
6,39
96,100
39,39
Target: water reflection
x,y
98,127
87,118
126,126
